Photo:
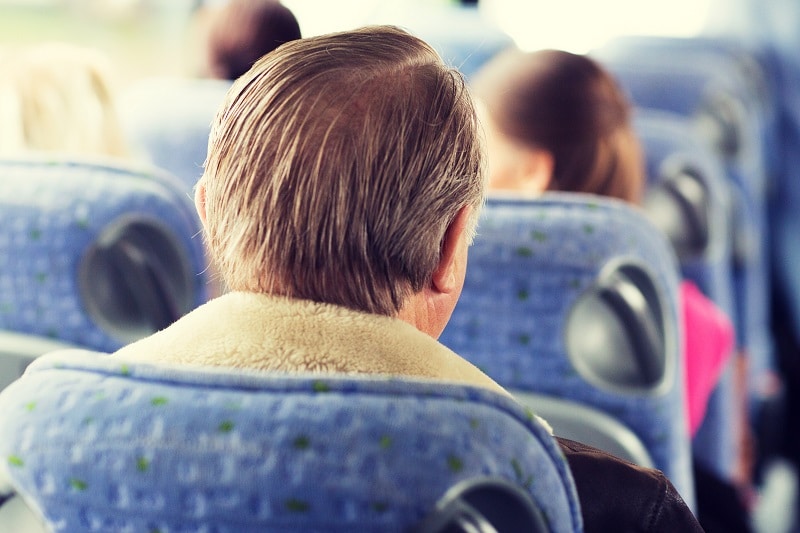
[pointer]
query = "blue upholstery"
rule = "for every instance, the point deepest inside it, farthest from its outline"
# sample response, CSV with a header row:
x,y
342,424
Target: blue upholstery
x,y
750,69
530,265
671,144
697,74
60,218
93,443
710,74
167,120
705,82
772,25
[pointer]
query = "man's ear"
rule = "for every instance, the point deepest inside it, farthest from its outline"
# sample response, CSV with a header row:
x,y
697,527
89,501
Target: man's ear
x,y
446,276
200,200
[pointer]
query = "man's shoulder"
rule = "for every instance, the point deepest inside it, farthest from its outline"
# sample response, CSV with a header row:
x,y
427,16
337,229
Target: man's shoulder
x,y
616,495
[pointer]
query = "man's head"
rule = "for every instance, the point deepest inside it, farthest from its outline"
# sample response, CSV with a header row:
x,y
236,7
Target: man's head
x,y
346,169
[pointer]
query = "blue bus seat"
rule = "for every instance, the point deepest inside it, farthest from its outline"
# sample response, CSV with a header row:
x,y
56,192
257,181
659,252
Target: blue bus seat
x,y
731,93
119,446
772,26
574,297
95,253
716,97
688,197
687,186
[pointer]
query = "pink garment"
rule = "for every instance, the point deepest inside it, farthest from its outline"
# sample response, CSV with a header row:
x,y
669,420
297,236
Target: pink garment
x,y
708,344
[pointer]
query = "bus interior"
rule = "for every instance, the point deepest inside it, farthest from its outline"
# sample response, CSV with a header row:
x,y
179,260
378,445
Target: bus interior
x,y
99,251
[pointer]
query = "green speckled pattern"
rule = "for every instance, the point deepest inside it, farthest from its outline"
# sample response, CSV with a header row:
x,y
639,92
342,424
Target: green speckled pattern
x,y
113,447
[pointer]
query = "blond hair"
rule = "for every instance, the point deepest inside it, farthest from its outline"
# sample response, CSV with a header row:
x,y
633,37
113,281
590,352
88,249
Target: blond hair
x,y
335,166
58,97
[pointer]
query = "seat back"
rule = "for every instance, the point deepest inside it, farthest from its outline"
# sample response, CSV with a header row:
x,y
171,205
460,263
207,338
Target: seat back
x,y
687,191
95,253
687,197
167,120
773,25
717,82
748,70
574,297
707,83
137,447
710,87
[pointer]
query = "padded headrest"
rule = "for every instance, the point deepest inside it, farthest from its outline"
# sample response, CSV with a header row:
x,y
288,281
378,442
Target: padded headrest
x,y
678,203
688,193
566,260
532,264
721,119
95,252
713,96
157,447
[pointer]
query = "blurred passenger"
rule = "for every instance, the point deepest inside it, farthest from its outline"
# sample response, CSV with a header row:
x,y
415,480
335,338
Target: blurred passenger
x,y
241,31
558,121
339,200
58,97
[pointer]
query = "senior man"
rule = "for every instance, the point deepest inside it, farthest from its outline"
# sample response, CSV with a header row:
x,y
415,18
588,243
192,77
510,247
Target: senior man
x,y
344,177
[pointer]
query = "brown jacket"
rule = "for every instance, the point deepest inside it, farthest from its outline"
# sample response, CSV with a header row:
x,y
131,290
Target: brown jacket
x,y
617,496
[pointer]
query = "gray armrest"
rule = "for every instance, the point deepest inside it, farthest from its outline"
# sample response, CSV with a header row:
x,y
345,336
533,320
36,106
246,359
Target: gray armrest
x,y
18,350
584,424
17,517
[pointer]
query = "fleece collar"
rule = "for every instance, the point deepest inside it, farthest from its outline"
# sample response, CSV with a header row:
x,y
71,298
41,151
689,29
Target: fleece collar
x,y
262,332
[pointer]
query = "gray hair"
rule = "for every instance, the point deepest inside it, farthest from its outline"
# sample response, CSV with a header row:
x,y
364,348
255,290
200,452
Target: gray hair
x,y
335,166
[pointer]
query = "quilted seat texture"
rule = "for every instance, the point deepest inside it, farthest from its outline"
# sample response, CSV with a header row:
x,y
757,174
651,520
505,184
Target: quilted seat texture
x,y
96,444
53,211
708,81
668,142
528,267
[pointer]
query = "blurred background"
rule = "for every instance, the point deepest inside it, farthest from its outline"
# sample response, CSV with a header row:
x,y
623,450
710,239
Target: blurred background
x,y
154,37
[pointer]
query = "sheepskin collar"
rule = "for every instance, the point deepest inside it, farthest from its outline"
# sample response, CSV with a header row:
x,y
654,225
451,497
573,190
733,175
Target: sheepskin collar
x,y
262,332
